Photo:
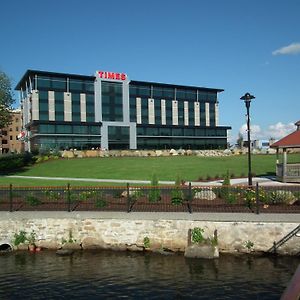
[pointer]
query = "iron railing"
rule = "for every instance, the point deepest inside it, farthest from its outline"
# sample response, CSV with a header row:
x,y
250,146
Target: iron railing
x,y
266,199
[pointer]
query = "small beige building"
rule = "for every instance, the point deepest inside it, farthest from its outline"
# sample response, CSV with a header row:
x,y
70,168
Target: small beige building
x,y
287,172
9,142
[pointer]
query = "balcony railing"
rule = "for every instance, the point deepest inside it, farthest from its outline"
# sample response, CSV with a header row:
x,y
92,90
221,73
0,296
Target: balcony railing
x,y
288,173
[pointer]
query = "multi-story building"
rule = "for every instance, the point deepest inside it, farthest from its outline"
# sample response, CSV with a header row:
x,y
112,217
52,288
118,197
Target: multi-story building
x,y
9,141
110,111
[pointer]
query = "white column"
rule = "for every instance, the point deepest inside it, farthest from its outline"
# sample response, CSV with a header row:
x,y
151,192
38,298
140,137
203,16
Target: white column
x,y
197,113
83,107
151,112
35,105
174,112
217,114
207,123
67,107
51,104
138,110
186,113
163,112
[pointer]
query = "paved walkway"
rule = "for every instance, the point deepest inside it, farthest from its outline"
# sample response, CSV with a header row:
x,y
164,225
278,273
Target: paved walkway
x,y
237,181
212,217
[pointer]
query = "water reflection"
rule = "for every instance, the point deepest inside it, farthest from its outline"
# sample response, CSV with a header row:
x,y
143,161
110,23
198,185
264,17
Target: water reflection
x,y
102,275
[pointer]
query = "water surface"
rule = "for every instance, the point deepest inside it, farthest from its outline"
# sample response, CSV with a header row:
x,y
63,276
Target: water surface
x,y
128,275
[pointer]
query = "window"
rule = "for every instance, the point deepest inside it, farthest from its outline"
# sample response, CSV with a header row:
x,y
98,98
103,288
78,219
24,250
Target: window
x,y
44,83
75,85
59,83
112,101
17,128
10,137
165,131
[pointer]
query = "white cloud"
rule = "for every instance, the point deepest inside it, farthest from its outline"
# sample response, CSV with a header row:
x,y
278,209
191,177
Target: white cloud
x,y
276,131
293,48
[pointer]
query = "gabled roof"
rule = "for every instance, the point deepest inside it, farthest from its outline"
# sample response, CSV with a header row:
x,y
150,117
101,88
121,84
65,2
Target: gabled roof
x,y
290,141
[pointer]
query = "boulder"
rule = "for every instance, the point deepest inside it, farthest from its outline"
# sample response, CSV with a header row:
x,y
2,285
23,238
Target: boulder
x,y
93,243
202,251
173,152
205,194
189,152
227,152
158,153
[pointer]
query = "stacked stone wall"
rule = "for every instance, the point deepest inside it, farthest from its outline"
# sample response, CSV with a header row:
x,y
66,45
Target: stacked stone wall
x,y
124,234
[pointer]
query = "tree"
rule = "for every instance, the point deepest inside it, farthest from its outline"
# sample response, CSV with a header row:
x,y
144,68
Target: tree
x,y
6,100
240,141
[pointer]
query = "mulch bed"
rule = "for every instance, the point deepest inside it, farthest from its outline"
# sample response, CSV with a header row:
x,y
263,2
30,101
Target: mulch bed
x,y
143,205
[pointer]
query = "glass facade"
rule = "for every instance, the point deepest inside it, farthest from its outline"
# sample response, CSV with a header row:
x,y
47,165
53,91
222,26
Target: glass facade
x,y
165,116
112,101
118,137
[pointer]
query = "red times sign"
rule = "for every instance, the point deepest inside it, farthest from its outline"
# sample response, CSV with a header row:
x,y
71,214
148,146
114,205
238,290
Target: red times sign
x,y
112,75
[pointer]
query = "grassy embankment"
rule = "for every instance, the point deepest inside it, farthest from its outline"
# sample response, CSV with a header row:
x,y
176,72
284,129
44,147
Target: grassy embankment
x,y
189,168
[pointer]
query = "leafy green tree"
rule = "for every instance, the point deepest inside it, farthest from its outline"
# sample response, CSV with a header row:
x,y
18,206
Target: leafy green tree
x,y
6,100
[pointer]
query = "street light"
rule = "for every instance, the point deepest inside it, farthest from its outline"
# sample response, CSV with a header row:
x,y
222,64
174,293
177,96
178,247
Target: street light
x,y
247,98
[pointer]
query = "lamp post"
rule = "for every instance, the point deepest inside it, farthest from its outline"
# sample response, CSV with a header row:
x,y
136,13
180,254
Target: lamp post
x,y
247,98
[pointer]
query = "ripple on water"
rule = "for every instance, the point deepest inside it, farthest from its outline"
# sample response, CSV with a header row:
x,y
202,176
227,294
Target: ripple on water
x,y
110,275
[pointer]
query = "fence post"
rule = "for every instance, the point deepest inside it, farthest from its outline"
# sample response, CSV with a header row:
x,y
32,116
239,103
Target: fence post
x,y
257,198
190,198
69,197
10,198
128,197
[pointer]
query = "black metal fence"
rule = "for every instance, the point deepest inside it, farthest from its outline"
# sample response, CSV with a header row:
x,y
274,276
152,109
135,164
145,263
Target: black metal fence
x,y
266,199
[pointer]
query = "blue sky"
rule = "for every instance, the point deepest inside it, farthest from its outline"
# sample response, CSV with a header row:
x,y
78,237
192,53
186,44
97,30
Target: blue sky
x,y
237,45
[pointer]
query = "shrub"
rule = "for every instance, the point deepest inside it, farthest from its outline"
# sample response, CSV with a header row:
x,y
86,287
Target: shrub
x,y
32,200
225,191
20,238
177,193
14,162
197,235
154,193
146,242
281,197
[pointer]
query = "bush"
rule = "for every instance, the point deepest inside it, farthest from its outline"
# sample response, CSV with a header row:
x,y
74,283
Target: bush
x,y
154,193
225,191
177,193
15,162
32,200
281,197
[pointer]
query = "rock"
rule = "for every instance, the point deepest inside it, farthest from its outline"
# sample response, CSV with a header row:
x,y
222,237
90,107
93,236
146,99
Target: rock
x,y
181,152
71,246
93,243
173,152
158,153
205,194
132,192
189,152
47,244
202,251
64,252
91,153
164,252
227,152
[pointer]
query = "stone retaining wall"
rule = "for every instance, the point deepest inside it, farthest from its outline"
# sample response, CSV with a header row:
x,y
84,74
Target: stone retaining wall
x,y
123,234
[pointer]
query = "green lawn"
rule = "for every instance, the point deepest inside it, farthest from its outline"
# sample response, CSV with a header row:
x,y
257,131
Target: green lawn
x,y
5,181
189,168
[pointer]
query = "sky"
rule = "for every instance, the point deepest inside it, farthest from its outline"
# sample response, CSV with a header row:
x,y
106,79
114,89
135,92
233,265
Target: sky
x,y
236,45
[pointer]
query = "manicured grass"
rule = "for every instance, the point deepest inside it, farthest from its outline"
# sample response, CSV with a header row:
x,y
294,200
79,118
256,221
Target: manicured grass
x,y
189,168
5,181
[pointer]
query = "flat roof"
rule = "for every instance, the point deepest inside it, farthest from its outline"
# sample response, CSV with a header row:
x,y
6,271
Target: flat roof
x,y
86,77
